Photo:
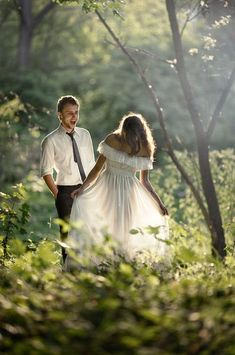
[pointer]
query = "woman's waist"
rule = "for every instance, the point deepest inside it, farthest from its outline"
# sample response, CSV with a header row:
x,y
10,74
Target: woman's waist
x,y
125,171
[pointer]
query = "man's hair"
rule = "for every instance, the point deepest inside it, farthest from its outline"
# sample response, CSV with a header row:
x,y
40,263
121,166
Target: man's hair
x,y
68,99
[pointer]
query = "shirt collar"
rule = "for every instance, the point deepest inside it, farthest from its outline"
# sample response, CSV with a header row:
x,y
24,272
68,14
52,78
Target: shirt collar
x,y
62,130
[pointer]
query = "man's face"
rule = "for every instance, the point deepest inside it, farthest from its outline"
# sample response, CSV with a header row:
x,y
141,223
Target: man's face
x,y
69,116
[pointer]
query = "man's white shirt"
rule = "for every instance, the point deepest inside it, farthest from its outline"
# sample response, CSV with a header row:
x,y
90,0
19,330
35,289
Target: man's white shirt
x,y
57,155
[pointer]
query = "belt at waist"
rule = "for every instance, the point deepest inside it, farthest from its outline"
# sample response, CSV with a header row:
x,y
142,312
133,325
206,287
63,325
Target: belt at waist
x,y
68,188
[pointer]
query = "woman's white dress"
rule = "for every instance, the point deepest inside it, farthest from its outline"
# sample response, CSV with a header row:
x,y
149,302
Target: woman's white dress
x,y
118,203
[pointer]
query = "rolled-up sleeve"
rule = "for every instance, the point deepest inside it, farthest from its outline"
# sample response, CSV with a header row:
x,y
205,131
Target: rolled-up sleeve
x,y
91,157
47,157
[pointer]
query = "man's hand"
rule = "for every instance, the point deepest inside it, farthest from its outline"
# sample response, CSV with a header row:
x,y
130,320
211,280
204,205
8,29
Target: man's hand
x,y
51,184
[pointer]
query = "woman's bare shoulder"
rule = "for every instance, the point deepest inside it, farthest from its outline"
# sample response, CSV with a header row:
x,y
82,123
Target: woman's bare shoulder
x,y
113,140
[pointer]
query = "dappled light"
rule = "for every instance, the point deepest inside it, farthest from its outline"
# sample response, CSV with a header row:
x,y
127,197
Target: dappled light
x,y
171,62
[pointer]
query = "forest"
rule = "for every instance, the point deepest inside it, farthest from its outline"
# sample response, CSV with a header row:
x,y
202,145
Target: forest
x,y
173,61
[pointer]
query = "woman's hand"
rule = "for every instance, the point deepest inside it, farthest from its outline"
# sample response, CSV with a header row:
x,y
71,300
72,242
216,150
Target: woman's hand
x,y
145,181
76,192
91,177
163,209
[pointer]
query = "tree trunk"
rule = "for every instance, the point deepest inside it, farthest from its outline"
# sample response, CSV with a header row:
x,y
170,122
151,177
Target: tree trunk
x,y
216,226
24,47
211,213
25,34
28,23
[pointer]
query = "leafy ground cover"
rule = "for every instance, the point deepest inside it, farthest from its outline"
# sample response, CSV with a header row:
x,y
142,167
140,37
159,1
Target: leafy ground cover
x,y
186,306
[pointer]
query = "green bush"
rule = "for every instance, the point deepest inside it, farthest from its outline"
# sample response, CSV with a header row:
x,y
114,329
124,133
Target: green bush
x,y
125,308
186,306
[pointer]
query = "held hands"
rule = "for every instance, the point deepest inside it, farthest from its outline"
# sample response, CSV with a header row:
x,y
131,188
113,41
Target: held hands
x,y
76,192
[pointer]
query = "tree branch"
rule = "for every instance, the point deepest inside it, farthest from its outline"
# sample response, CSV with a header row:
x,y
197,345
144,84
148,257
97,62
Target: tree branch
x,y
160,117
218,109
214,215
189,18
181,70
145,52
38,18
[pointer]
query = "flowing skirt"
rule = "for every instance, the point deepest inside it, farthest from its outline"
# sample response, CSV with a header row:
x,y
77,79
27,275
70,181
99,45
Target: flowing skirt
x,y
117,204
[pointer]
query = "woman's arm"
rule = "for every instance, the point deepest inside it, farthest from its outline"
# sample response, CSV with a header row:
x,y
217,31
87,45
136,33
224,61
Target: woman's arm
x,y
91,177
144,179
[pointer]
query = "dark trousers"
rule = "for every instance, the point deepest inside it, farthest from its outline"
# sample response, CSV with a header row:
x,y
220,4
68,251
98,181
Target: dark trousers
x,y
63,204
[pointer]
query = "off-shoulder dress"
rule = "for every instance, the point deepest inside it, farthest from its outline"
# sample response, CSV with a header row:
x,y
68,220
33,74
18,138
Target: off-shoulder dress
x,y
120,205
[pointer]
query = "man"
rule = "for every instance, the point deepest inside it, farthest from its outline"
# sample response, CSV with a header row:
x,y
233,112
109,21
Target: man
x,y
69,151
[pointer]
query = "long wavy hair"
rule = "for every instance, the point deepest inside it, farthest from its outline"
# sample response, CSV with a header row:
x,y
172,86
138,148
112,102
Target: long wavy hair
x,y
134,130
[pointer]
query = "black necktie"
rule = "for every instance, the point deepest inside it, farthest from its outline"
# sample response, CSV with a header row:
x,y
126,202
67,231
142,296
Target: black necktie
x,y
76,156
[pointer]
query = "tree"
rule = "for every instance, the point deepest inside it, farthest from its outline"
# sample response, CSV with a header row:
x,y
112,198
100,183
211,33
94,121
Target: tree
x,y
28,23
202,136
207,201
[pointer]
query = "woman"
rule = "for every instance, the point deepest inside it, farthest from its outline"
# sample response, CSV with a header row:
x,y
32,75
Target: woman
x,y
113,197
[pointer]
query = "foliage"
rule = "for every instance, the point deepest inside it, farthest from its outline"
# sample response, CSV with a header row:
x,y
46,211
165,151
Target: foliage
x,y
14,215
120,307
93,5
20,125
124,308
42,208
169,185
179,200
71,53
